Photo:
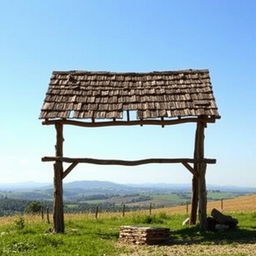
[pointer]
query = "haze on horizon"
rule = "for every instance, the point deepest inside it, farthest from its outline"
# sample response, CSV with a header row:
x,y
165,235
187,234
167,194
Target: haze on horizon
x,y
39,37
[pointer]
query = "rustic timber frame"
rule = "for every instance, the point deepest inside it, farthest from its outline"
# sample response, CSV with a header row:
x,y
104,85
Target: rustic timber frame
x,y
160,98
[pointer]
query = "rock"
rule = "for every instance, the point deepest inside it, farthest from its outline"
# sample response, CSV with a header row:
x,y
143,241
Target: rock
x,y
144,235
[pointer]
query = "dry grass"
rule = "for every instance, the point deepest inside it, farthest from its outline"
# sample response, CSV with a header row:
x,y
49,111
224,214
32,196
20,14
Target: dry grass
x,y
239,204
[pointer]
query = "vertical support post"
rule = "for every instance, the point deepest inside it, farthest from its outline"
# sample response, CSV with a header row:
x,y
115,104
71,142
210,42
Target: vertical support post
x,y
58,214
194,200
201,170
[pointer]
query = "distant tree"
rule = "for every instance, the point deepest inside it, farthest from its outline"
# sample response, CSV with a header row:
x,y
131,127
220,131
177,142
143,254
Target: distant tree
x,y
34,207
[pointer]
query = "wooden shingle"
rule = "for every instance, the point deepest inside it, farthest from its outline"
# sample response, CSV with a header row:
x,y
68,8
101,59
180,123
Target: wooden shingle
x,y
85,94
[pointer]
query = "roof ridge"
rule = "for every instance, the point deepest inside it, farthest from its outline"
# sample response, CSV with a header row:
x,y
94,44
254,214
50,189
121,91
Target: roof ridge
x,y
131,73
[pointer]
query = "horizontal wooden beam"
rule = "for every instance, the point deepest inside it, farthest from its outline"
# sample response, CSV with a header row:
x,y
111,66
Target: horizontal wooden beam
x,y
127,162
129,123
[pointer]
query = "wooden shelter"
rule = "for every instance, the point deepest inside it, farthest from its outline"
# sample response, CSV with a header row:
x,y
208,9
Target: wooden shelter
x,y
98,99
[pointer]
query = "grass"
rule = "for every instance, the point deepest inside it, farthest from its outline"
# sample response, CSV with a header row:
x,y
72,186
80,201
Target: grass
x,y
87,236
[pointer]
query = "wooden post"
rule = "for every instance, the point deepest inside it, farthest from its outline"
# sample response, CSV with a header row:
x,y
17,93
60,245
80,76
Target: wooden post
x,y
123,214
194,200
47,215
97,212
186,207
201,170
42,213
150,208
58,214
221,204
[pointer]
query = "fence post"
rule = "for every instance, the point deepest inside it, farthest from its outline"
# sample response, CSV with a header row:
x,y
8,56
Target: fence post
x,y
47,215
186,207
150,208
97,212
221,204
42,213
123,210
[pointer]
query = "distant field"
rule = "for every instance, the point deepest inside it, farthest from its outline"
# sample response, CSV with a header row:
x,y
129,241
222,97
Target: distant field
x,y
238,204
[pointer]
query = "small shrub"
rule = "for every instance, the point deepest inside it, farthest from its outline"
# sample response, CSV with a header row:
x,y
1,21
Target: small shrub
x,y
19,223
148,219
163,215
34,207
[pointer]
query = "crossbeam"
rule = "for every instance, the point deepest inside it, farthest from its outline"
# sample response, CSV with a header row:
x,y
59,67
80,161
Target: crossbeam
x,y
130,122
128,162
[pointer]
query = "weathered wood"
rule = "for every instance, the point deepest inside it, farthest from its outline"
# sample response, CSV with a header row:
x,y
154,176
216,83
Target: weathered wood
x,y
128,162
201,170
123,211
42,213
128,115
129,123
97,212
58,215
69,169
189,167
223,219
47,215
202,198
221,204
194,201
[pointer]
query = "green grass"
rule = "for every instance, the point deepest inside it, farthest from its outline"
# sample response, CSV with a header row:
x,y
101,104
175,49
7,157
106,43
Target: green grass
x,y
88,236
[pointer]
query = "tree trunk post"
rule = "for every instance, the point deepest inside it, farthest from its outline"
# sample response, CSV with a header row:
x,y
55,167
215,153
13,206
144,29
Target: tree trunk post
x,y
194,201
201,170
58,215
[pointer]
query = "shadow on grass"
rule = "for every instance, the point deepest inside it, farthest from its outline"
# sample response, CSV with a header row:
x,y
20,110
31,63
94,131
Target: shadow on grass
x,y
193,235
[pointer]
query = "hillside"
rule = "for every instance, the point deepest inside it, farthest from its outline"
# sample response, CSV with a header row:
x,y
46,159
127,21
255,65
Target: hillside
x,y
238,204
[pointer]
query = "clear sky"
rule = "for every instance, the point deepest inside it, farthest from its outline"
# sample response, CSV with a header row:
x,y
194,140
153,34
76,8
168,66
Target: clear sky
x,y
37,37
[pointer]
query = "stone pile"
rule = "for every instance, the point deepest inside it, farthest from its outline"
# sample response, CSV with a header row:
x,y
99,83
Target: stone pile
x,y
144,235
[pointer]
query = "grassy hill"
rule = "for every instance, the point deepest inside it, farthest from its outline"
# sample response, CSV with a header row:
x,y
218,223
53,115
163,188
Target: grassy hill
x,y
29,235
238,204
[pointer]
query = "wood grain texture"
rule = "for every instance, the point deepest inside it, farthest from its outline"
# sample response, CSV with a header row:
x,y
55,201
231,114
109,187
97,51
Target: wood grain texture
x,y
129,123
105,95
127,162
58,215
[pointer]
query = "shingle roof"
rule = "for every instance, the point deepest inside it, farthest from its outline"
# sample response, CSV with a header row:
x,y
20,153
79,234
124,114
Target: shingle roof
x,y
85,94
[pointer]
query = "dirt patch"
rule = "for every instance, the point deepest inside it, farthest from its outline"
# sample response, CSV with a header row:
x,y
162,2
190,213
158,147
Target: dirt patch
x,y
191,250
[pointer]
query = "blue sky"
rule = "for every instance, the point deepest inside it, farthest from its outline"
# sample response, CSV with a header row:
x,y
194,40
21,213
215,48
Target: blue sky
x,y
37,37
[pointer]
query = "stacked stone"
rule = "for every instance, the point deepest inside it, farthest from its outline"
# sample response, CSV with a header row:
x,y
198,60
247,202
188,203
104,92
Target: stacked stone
x,y
144,235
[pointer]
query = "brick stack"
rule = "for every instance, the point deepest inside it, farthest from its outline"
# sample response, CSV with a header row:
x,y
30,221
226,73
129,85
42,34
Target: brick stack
x,y
144,235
